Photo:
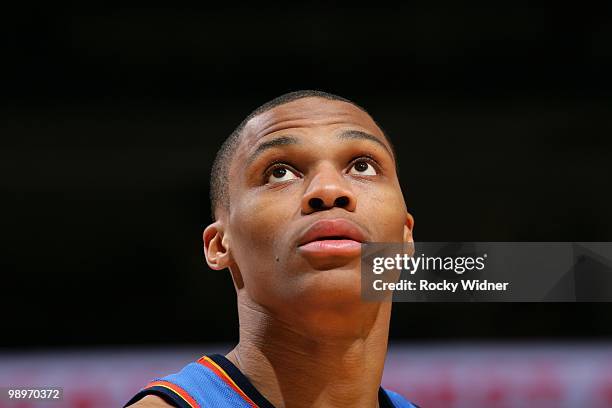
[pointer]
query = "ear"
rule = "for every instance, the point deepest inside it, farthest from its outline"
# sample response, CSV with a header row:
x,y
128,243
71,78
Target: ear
x,y
408,227
216,246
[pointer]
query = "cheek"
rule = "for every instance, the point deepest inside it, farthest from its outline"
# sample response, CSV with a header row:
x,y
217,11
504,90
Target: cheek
x,y
387,212
258,231
257,224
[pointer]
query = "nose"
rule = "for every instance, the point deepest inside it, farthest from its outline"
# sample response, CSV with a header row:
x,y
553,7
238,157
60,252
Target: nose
x,y
328,189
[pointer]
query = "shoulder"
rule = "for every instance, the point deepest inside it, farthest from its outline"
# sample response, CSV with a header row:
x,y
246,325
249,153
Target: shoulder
x,y
150,401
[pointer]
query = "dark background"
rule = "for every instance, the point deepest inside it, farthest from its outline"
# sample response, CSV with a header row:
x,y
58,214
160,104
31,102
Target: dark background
x,y
110,119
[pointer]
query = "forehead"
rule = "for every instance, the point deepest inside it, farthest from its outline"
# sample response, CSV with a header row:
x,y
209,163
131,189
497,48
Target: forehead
x,y
311,112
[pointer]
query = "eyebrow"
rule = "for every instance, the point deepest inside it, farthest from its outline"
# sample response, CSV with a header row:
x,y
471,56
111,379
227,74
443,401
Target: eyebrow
x,y
292,140
358,134
279,141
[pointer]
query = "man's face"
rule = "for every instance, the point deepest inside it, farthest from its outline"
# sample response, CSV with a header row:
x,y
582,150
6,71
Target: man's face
x,y
309,181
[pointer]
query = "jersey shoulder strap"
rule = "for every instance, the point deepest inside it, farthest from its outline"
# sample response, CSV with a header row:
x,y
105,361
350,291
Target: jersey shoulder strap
x,y
395,400
205,383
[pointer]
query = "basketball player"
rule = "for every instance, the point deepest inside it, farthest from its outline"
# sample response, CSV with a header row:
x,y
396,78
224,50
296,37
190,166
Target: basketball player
x,y
297,187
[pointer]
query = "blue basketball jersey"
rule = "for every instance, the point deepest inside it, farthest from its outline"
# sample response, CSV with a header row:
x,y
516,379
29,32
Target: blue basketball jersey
x,y
214,381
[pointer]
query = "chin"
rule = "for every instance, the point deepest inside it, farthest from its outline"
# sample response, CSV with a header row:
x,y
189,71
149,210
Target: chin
x,y
332,306
331,291
322,301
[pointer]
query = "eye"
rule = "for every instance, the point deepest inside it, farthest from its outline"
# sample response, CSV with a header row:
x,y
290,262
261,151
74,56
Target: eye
x,y
363,167
280,173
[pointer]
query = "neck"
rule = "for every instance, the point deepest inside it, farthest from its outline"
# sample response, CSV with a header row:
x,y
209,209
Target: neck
x,y
296,367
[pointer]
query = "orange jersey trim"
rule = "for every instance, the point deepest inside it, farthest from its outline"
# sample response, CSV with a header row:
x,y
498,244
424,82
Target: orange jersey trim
x,y
208,363
176,389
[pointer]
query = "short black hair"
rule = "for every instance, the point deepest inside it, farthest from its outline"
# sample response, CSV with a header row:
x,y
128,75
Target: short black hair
x,y
219,175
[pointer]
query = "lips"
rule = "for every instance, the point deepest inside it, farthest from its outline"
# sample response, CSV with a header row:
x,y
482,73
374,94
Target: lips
x,y
334,237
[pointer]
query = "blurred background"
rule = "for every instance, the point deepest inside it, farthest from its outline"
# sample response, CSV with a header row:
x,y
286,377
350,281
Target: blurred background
x,y
110,119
